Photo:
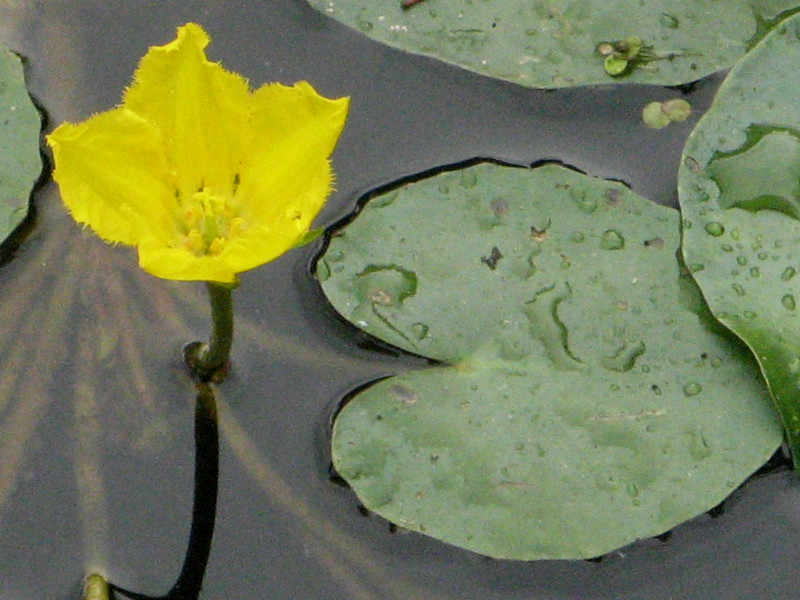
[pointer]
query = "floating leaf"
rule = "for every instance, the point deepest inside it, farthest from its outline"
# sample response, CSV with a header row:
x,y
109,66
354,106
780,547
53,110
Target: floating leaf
x,y
658,115
740,193
20,125
587,397
562,43
654,116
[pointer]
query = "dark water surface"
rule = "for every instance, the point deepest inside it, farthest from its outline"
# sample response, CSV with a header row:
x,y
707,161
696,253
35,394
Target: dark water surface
x,y
95,410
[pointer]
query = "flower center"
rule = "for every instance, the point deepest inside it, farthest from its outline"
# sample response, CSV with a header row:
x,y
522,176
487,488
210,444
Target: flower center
x,y
209,224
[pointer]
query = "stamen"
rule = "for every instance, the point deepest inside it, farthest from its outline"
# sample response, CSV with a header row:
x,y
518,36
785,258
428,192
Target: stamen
x,y
236,227
217,246
195,241
210,223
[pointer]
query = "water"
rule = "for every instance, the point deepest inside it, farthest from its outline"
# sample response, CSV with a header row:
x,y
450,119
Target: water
x,y
101,410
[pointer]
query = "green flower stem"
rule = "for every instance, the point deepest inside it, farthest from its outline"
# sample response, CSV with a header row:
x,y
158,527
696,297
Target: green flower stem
x,y
210,361
218,351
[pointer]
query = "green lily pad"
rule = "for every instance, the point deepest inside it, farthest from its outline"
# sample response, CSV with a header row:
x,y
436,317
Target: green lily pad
x,y
739,190
20,125
562,43
586,397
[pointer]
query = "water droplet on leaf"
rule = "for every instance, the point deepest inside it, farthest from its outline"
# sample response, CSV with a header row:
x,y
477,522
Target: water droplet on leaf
x,y
404,394
692,165
612,240
546,326
334,256
419,330
607,483
585,205
499,206
386,286
624,358
668,21
762,177
692,389
698,446
468,179
323,271
576,236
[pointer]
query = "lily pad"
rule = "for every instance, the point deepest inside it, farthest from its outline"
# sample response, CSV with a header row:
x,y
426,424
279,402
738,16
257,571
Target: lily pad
x,y
586,397
20,125
555,43
739,190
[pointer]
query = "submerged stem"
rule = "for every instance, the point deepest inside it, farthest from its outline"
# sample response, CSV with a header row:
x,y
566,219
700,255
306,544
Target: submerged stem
x,y
204,505
210,360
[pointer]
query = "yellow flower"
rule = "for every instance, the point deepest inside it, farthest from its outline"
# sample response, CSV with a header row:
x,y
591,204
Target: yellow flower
x,y
205,177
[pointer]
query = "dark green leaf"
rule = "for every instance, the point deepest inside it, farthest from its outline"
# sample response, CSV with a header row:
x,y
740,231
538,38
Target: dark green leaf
x,y
740,194
561,43
587,399
20,125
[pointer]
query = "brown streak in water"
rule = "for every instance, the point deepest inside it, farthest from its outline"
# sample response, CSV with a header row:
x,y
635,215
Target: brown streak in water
x,y
161,301
16,325
87,464
130,345
21,424
18,299
342,573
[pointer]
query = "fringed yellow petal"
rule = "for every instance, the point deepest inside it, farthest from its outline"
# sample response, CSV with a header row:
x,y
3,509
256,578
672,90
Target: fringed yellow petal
x,y
199,107
261,244
113,176
285,169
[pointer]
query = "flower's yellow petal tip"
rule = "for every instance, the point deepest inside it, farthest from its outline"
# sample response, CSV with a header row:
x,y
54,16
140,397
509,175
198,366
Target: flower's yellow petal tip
x,y
190,32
